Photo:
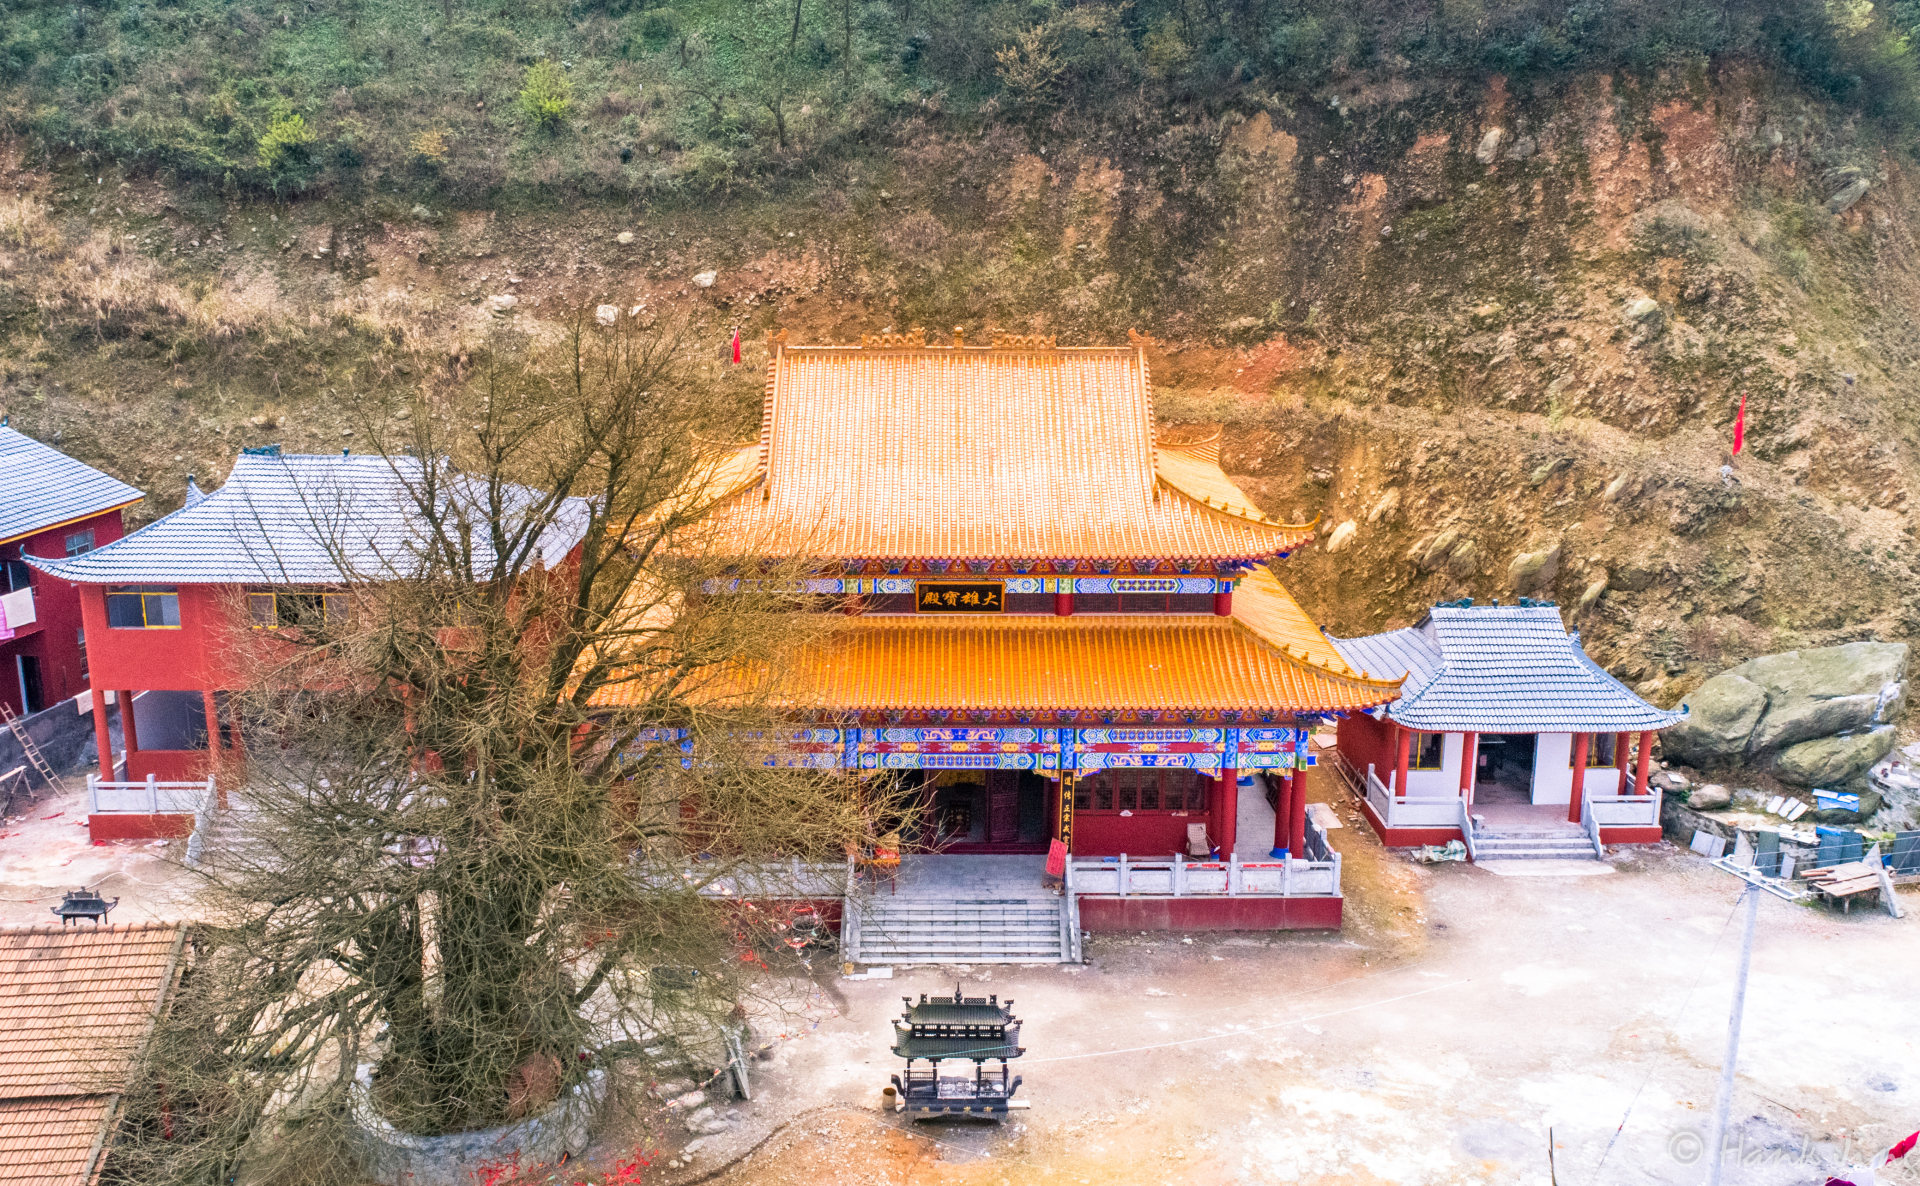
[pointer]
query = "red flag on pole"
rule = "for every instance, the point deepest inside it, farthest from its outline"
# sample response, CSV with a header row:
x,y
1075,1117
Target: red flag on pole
x,y
736,359
1739,421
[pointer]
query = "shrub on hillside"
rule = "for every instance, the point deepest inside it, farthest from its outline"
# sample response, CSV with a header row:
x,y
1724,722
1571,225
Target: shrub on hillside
x,y
284,151
546,95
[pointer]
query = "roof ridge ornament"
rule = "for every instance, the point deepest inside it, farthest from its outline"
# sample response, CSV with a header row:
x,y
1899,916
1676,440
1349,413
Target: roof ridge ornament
x,y
1005,341
272,450
913,339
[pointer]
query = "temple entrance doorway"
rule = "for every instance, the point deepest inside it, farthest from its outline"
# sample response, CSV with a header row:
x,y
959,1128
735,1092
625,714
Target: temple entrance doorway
x,y
983,811
1505,774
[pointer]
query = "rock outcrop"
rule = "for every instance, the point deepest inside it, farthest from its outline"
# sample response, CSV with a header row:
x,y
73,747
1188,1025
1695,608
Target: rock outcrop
x,y
1814,717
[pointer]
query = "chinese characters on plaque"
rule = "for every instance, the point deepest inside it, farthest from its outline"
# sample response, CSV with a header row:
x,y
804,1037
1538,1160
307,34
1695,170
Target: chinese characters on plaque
x,y
959,597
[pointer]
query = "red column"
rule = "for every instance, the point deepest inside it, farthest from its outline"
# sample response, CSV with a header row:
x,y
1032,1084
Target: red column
x,y
1468,743
1063,604
100,737
1620,761
1580,743
1283,791
1298,840
1229,810
1223,600
1640,767
128,734
1402,759
213,724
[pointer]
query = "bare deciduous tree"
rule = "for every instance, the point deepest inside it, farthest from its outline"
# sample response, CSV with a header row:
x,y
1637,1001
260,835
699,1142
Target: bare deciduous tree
x,y
494,778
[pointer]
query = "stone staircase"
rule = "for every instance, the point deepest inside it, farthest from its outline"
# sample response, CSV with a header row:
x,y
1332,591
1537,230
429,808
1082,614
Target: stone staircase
x,y
890,929
1568,843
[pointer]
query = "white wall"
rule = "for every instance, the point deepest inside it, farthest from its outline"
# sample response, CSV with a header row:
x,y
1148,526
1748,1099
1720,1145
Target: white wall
x,y
1552,777
1443,783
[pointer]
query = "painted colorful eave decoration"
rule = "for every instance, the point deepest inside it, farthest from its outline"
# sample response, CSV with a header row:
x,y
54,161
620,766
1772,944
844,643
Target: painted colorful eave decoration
x,y
1022,458
1020,748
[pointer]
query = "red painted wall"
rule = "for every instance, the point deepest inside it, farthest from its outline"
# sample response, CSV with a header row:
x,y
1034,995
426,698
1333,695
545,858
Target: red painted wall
x,y
54,637
196,657
1210,914
1142,834
127,826
168,765
1363,739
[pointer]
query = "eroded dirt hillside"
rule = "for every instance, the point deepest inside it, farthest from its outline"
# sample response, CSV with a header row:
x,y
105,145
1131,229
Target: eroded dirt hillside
x,y
1494,340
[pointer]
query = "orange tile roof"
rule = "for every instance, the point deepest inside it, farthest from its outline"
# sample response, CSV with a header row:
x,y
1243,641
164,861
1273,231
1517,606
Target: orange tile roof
x,y
1012,451
75,1003
1267,657
52,1142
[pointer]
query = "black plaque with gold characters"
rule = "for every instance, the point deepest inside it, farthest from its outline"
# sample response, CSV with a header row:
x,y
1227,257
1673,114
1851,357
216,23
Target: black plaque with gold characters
x,y
960,597
1067,789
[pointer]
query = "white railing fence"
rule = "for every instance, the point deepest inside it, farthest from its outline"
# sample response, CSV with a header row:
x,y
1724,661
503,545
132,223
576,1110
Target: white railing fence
x,y
1176,877
151,797
754,880
1421,811
1073,916
1625,811
1379,795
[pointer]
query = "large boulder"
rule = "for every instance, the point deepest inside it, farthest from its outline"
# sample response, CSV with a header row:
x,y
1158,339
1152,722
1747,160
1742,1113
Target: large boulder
x,y
1833,761
1720,718
1772,703
1535,570
1712,797
1827,690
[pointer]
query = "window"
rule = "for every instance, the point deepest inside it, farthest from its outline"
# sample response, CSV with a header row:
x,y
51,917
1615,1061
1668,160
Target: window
x,y
1142,790
79,541
1429,750
80,637
18,575
143,609
1599,750
272,609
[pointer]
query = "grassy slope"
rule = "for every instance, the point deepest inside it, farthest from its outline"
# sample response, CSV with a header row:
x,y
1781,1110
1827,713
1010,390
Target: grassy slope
x,y
1371,306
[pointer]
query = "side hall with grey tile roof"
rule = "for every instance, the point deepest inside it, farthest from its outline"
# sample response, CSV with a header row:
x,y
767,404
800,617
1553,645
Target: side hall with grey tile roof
x,y
1499,669
304,519
41,487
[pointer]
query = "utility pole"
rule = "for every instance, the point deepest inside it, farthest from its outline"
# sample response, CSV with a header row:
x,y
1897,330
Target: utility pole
x,y
1717,1147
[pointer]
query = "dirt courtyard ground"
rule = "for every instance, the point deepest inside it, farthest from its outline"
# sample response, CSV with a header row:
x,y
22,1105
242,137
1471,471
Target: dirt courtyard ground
x,y
1577,1006
1463,1024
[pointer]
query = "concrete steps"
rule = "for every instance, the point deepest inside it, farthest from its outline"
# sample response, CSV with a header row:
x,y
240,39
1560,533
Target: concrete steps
x,y
1537,844
894,930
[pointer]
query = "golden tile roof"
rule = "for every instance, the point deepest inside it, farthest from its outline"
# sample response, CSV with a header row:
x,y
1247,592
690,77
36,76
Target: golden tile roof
x,y
1015,451
1267,657
75,1003
52,1142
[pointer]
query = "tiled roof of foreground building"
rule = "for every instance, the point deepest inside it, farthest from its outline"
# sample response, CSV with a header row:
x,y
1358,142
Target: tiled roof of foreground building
x,y
75,1005
1267,657
305,519
1017,451
1499,669
41,487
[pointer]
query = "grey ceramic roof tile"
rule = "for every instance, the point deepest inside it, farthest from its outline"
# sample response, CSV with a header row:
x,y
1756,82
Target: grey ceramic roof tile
x,y
1500,669
41,486
305,519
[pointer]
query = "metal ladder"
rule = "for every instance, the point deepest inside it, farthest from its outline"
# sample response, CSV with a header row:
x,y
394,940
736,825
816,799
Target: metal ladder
x,y
35,758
